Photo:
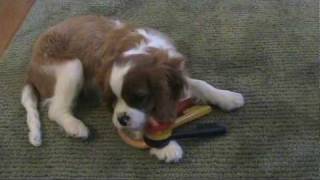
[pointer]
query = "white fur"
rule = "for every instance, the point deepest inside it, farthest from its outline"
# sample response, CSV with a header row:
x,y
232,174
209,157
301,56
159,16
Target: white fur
x,y
225,99
118,24
170,153
46,102
116,78
29,101
139,49
154,39
174,54
69,79
137,117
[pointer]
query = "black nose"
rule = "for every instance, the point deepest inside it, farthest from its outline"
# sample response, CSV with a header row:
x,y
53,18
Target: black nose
x,y
123,119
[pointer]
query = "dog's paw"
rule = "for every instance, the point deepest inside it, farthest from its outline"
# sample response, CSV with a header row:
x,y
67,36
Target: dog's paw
x,y
230,100
76,128
170,153
35,138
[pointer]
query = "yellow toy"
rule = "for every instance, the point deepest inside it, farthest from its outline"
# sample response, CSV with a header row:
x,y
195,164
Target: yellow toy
x,y
158,135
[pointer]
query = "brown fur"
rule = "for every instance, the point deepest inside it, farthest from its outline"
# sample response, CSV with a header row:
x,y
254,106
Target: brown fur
x,y
92,39
96,42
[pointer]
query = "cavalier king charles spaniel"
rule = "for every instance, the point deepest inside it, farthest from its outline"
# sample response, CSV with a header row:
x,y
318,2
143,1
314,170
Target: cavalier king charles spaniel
x,y
139,72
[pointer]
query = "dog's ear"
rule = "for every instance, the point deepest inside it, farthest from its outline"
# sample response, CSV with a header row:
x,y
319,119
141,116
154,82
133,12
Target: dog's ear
x,y
176,82
164,106
103,78
166,93
176,63
174,72
109,97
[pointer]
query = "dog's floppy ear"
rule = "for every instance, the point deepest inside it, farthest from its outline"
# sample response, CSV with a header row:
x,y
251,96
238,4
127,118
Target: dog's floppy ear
x,y
166,93
175,75
103,78
176,63
109,98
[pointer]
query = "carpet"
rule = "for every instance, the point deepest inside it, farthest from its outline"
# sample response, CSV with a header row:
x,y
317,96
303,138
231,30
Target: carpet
x,y
267,50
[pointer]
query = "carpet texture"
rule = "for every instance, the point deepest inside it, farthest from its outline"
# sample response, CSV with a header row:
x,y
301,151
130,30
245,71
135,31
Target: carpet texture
x,y
265,49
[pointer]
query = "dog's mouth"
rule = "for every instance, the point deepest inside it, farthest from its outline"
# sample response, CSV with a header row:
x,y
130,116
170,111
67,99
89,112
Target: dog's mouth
x,y
135,127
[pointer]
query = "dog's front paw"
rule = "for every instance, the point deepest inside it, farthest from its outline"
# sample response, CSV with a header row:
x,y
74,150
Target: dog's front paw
x,y
35,138
230,100
170,153
76,128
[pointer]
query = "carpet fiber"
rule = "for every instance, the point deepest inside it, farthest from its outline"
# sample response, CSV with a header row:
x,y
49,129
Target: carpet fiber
x,y
265,49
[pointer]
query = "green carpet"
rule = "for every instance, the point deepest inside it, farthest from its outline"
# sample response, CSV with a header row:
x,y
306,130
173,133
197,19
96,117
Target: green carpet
x,y
265,49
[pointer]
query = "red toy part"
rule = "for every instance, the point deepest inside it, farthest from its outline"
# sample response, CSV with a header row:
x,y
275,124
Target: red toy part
x,y
183,105
158,127
156,130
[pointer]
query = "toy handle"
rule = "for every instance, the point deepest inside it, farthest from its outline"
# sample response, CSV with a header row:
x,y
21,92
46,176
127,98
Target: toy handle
x,y
192,114
203,132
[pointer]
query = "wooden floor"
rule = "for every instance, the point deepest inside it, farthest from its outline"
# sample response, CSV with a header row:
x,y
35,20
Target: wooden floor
x,y
12,15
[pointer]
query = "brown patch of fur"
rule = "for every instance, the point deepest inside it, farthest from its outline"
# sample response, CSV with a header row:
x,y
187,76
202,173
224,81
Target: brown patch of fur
x,y
41,81
94,40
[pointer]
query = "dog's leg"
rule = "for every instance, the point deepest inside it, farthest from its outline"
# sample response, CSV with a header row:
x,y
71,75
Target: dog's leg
x,y
30,102
225,99
170,153
69,77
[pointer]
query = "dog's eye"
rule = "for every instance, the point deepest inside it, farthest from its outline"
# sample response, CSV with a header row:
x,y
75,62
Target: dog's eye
x,y
137,98
140,96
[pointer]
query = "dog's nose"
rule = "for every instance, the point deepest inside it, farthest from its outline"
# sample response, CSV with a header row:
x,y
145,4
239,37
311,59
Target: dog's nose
x,y
123,119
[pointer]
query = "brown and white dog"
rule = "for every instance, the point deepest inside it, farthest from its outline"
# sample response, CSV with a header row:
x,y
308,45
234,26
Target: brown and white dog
x,y
138,70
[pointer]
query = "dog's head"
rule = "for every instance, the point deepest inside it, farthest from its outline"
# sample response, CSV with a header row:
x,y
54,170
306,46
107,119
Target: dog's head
x,y
146,86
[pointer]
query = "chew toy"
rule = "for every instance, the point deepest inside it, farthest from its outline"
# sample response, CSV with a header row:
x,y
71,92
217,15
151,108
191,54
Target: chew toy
x,y
158,135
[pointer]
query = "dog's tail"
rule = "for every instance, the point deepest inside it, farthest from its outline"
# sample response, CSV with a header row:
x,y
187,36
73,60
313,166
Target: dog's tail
x,y
29,100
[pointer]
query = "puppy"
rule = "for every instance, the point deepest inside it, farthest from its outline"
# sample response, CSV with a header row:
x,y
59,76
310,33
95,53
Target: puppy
x,y
138,70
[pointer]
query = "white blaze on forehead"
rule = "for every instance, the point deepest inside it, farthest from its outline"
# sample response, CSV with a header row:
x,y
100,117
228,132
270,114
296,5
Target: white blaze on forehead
x,y
117,77
156,39
153,39
139,49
